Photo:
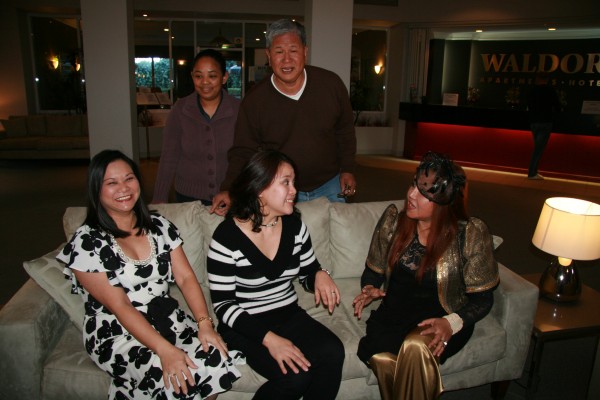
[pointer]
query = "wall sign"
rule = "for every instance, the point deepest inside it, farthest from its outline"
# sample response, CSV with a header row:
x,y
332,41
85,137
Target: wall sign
x,y
503,71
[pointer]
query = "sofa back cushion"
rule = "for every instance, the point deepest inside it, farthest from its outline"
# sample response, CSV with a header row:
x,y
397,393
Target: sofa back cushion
x,y
315,214
36,125
15,127
209,223
64,125
85,131
351,229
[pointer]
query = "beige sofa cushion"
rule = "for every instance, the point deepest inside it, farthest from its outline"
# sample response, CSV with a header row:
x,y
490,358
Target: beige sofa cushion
x,y
48,273
315,214
351,228
36,125
186,217
208,224
63,125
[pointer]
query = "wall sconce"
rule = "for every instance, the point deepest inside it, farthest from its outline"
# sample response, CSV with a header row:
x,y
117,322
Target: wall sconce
x,y
569,229
378,69
181,62
53,62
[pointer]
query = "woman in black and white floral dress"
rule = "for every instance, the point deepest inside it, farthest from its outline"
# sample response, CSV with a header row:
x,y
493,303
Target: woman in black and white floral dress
x,y
121,261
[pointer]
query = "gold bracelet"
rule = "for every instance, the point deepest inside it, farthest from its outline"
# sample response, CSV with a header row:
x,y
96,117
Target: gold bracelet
x,y
202,319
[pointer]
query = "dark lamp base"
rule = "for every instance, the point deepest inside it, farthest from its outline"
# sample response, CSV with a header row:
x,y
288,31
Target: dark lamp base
x,y
559,283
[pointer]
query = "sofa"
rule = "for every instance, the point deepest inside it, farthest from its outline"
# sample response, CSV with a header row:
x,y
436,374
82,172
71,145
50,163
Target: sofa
x,y
40,327
45,136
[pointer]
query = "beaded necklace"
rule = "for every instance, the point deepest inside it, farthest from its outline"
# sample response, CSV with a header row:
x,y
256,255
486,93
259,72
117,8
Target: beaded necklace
x,y
272,224
125,257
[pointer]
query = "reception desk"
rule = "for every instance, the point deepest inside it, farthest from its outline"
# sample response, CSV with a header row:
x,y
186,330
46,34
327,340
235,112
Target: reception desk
x,y
500,139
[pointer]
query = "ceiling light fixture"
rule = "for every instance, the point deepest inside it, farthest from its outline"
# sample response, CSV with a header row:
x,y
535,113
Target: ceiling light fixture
x,y
220,41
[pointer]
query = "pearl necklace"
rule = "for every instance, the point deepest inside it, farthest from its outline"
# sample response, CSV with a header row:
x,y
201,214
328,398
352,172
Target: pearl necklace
x,y
272,224
125,257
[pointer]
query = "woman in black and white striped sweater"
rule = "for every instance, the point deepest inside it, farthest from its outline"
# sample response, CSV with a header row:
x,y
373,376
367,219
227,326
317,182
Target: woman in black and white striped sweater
x,y
255,254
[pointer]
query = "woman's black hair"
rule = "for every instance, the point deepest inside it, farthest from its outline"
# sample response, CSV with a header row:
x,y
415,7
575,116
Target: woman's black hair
x,y
215,55
97,216
257,175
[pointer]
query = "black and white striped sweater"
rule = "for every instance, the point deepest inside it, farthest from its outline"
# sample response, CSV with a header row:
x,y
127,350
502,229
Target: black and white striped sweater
x,y
249,291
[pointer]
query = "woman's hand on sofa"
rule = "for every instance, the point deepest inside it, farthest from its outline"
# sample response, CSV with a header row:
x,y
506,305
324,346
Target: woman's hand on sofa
x,y
285,353
367,294
326,290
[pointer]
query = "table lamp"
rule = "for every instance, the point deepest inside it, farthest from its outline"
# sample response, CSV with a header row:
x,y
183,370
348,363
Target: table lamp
x,y
569,229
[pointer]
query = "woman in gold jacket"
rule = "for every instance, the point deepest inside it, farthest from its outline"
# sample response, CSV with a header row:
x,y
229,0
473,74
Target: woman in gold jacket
x,y
434,270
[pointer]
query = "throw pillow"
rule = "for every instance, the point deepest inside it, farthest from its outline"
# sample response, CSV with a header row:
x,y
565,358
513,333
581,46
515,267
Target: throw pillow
x,y
315,214
47,272
186,217
351,227
209,223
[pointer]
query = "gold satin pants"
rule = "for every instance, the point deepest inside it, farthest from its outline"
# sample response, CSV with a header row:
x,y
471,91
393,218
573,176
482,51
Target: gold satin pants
x,y
413,374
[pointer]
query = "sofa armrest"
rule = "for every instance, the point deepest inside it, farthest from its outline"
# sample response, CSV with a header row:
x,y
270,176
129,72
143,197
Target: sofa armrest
x,y
30,325
517,301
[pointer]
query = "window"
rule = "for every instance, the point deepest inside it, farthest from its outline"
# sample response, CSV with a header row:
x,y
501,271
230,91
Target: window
x,y
58,64
368,74
166,48
152,58
153,72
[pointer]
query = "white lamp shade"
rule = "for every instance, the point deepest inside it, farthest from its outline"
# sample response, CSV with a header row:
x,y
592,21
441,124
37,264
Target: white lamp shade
x,y
569,228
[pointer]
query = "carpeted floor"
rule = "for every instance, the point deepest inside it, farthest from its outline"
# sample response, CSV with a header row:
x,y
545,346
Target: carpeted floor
x,y
34,195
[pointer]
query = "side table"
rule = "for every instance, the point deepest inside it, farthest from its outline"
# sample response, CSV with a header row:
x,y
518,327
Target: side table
x,y
561,321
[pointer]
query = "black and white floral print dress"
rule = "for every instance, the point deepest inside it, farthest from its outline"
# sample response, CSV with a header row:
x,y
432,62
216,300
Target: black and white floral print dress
x,y
135,369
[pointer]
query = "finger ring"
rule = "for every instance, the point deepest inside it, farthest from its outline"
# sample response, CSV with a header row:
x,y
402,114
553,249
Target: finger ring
x,y
333,291
172,375
445,343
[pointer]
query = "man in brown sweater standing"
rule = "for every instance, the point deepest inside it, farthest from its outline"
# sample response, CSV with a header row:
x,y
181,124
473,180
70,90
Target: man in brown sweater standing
x,y
302,111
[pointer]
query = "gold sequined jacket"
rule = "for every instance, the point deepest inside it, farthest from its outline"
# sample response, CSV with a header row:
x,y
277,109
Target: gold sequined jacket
x,y
467,266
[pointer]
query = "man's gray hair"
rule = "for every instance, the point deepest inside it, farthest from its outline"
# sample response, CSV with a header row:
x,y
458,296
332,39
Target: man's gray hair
x,y
283,26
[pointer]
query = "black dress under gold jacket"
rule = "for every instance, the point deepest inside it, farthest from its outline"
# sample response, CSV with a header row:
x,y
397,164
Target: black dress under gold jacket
x,y
468,266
